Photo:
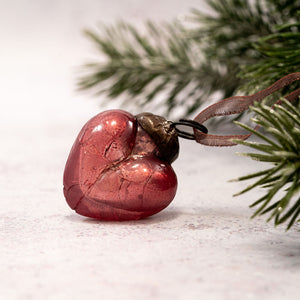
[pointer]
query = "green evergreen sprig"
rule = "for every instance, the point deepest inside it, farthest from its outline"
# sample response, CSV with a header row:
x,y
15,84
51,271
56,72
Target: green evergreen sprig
x,y
231,29
166,58
182,64
281,56
145,65
139,63
282,150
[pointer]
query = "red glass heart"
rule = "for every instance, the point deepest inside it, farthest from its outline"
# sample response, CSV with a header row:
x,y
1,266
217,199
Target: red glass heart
x,y
114,171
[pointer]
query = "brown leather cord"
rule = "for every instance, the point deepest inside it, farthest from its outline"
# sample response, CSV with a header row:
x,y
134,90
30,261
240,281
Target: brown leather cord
x,y
236,105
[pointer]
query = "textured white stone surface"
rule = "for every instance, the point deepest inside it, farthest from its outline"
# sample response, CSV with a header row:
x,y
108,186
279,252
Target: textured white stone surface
x,y
203,246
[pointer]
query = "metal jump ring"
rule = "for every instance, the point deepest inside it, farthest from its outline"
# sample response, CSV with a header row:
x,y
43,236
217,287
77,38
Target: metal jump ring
x,y
189,123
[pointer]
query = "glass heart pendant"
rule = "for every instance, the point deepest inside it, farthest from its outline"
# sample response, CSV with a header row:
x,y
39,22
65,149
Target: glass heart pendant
x,y
119,167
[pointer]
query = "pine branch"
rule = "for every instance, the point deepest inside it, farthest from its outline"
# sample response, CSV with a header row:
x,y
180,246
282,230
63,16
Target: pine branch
x,y
261,37
231,29
283,152
183,63
242,45
281,56
145,65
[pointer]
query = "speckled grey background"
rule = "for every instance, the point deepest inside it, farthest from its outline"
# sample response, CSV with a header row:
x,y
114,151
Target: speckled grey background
x,y
203,246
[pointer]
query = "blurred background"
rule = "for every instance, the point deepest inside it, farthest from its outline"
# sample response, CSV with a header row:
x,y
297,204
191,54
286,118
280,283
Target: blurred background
x,y
203,246
43,46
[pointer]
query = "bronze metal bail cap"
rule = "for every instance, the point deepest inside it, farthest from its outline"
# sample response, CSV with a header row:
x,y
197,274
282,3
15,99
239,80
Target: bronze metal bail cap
x,y
163,134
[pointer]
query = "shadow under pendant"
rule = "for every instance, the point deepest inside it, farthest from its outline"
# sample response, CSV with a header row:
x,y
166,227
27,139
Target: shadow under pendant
x,y
119,167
